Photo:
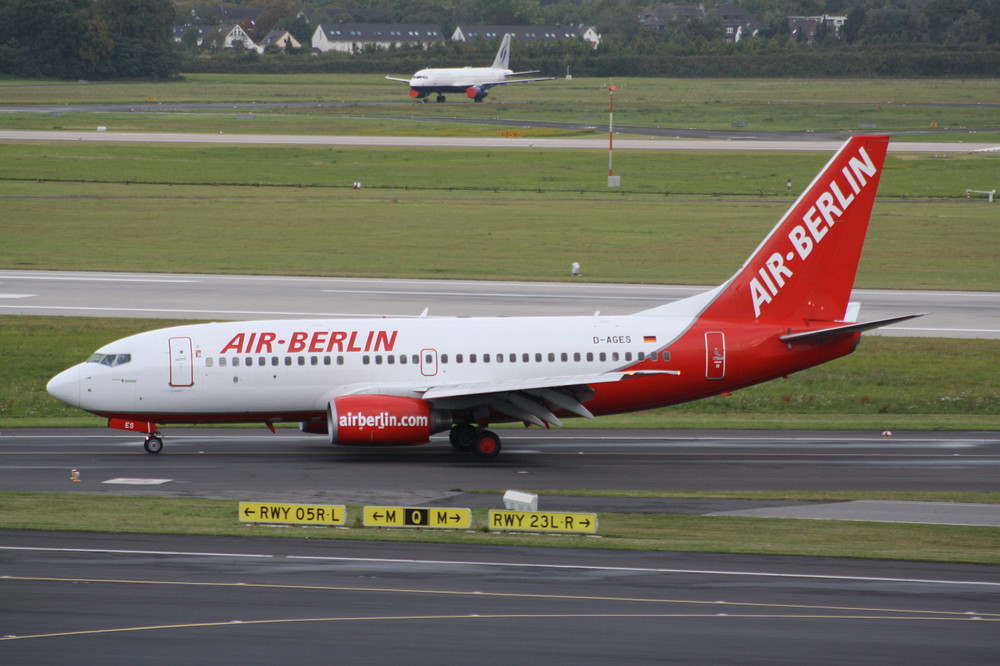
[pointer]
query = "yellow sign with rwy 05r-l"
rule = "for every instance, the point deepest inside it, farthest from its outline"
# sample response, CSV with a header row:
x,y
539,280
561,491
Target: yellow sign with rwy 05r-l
x,y
302,514
409,516
542,521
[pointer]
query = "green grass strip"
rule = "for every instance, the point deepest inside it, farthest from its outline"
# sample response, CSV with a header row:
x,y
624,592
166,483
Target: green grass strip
x,y
644,532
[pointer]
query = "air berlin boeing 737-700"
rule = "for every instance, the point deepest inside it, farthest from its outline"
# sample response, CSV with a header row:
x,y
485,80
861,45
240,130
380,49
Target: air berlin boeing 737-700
x,y
368,382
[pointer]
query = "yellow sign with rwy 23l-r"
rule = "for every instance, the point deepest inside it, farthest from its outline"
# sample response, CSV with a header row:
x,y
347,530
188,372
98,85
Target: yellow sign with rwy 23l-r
x,y
303,514
542,521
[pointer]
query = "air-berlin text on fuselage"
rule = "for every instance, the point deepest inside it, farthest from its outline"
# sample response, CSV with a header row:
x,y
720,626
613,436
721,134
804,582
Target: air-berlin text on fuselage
x,y
317,342
829,206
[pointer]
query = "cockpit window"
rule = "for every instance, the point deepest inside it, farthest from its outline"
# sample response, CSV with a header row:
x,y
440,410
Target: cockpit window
x,y
110,360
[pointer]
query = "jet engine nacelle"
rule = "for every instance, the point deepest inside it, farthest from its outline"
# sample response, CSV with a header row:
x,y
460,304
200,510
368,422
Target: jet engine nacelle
x,y
476,93
383,419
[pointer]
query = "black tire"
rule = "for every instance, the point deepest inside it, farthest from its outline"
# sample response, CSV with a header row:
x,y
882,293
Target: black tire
x,y
153,445
462,436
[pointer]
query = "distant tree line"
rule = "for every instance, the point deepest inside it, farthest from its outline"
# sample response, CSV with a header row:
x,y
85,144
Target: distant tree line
x,y
114,39
91,39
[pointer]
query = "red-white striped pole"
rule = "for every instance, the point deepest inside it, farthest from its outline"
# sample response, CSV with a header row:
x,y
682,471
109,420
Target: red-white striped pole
x,y
611,131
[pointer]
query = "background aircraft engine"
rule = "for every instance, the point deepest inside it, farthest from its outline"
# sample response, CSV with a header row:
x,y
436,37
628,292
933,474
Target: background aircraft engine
x,y
414,93
383,419
476,93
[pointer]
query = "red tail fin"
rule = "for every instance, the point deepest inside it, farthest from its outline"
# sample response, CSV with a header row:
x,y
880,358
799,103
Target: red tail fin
x,y
805,267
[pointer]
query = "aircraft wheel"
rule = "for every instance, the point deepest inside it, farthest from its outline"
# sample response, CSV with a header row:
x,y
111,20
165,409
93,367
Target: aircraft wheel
x,y
153,444
440,99
486,445
462,436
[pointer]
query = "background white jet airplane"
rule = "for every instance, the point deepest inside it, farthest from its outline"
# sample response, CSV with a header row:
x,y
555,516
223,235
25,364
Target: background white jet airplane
x,y
371,382
475,82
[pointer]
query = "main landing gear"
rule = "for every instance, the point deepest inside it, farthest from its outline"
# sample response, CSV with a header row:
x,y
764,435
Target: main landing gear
x,y
440,99
153,443
482,443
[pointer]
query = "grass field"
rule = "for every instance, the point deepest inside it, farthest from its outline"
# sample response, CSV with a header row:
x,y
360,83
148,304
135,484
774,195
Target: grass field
x,y
681,217
757,104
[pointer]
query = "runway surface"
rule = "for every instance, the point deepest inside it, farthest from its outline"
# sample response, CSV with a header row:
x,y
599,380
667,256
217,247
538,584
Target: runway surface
x,y
235,297
251,464
116,599
663,143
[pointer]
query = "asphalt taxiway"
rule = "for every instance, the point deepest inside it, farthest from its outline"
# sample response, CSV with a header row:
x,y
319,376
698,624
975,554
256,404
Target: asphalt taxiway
x,y
118,599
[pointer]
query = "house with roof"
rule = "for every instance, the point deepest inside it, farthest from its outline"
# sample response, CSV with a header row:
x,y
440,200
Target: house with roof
x,y
549,34
737,23
353,37
228,36
280,39
804,27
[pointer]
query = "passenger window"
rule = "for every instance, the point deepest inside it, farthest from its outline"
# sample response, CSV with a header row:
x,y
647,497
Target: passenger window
x,y
525,358
576,356
222,361
486,358
614,356
552,357
640,356
458,358
499,358
428,358
313,360
288,360
402,359
628,356
538,357
262,361
666,356
444,358
208,362
390,359
378,359
654,357
564,357
590,356
366,360
302,360
326,360
274,360
236,361
340,360
603,357
472,358
513,358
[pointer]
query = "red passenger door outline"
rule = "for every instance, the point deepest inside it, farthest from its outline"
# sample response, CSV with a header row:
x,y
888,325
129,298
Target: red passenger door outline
x,y
715,355
181,365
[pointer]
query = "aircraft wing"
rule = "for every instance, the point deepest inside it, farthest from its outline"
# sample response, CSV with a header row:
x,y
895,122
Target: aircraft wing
x,y
529,400
822,335
392,78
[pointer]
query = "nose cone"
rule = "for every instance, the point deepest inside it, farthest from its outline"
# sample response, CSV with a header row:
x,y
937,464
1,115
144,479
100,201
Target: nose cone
x,y
65,387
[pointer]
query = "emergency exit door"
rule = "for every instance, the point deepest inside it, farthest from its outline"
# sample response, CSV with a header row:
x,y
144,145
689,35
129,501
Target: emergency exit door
x,y
181,365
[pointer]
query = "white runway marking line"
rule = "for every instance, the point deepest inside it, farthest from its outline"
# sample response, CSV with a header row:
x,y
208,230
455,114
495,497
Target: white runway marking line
x,y
123,481
526,565
18,295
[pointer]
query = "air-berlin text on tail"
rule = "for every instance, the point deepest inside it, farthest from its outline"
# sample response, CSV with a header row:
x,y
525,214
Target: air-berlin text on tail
x,y
317,342
818,220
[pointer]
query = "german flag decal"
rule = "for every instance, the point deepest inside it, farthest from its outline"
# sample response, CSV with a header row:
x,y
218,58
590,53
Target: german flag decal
x,y
649,338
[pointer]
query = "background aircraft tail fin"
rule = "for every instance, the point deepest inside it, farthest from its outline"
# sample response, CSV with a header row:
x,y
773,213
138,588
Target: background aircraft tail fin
x,y
503,55
805,268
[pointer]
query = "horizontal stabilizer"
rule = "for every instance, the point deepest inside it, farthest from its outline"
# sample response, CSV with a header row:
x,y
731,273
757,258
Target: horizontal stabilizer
x,y
824,334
